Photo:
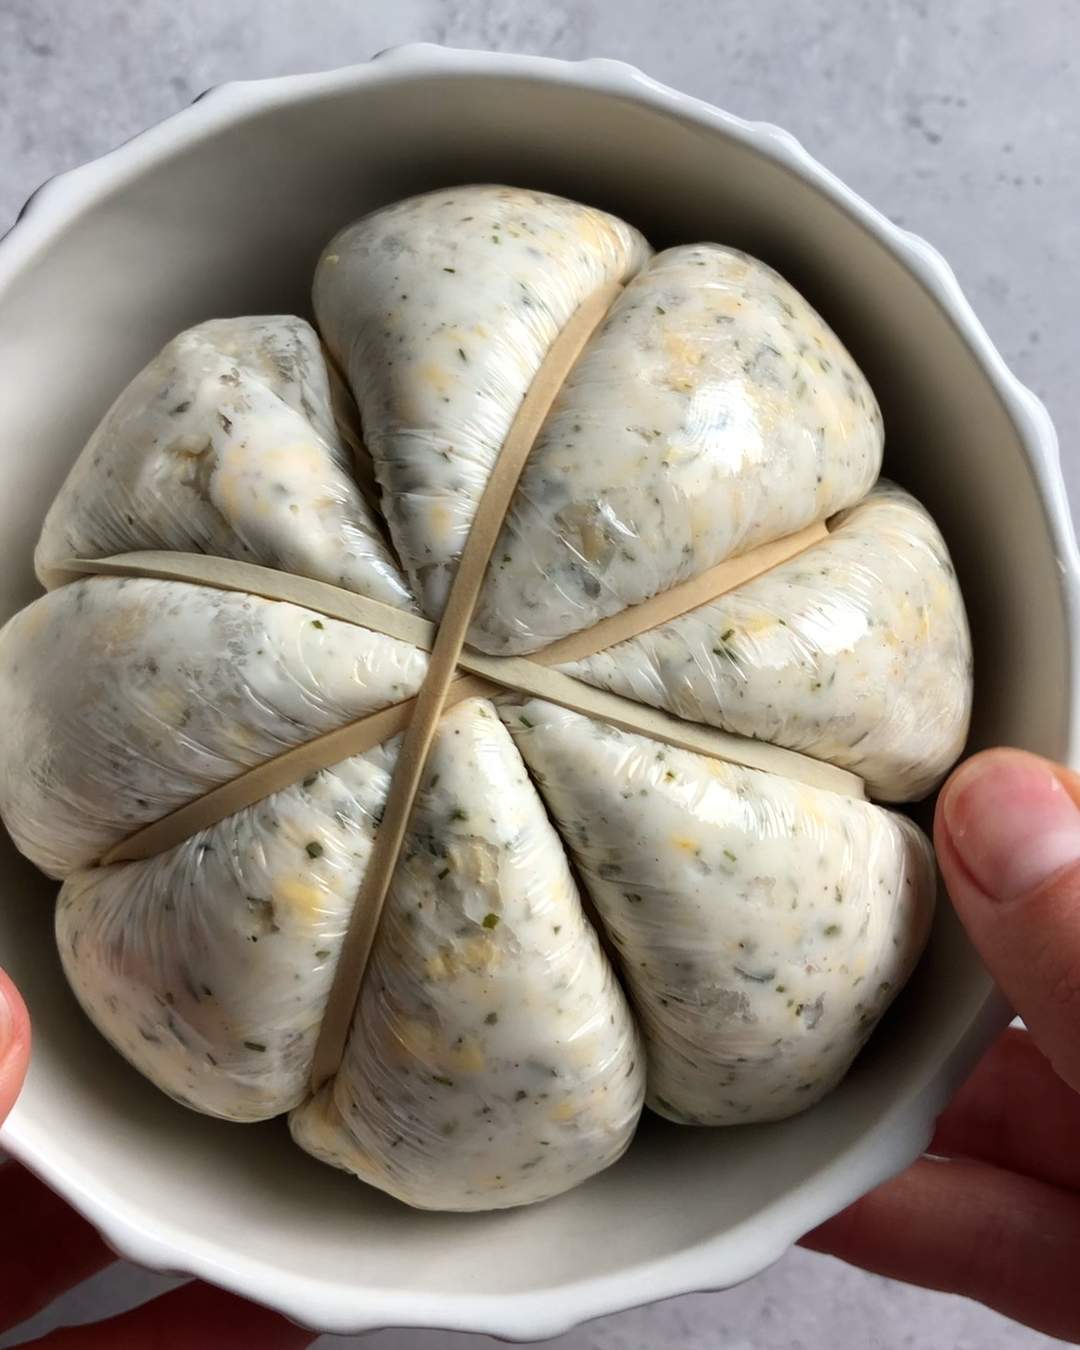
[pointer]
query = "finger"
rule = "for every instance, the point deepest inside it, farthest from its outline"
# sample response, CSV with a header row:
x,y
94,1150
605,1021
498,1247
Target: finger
x,y
969,1228
14,1044
193,1317
1008,841
45,1247
1017,1113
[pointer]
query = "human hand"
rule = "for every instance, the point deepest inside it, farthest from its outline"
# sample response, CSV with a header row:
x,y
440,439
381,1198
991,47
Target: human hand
x,y
994,1214
14,1045
46,1248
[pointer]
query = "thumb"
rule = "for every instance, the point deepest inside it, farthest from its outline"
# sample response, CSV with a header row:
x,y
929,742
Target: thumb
x,y
1008,840
14,1044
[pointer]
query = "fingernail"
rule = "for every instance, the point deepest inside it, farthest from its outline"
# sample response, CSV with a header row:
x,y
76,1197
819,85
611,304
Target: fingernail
x,y
1011,822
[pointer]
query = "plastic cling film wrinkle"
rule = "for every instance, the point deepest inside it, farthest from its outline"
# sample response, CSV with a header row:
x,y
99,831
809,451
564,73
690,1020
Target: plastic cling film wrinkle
x,y
226,444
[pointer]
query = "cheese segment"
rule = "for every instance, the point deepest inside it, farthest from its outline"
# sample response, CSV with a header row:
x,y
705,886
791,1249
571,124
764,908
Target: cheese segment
x,y
856,652
226,444
762,927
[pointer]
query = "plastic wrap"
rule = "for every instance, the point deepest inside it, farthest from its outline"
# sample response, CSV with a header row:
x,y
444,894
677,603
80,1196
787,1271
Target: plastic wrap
x,y
226,444
493,1060
762,926
712,411
208,966
856,652
440,310
123,699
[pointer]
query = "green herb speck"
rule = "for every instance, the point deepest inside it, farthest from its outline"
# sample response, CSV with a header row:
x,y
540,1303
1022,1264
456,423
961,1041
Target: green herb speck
x,y
491,920
313,849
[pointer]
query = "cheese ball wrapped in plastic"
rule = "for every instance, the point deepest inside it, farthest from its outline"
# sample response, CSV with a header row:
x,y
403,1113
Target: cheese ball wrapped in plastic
x,y
762,926
493,1059
759,926
856,651
226,443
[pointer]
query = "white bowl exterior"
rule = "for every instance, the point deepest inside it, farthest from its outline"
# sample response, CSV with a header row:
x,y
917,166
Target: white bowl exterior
x,y
165,1236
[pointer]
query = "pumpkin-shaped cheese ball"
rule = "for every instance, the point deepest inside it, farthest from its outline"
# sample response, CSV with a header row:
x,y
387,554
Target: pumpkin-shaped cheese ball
x,y
757,921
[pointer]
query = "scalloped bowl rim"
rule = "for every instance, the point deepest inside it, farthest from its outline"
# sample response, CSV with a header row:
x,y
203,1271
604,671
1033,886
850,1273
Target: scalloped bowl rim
x,y
899,1136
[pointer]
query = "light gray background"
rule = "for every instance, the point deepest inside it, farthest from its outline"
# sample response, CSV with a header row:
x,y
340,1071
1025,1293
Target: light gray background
x,y
960,119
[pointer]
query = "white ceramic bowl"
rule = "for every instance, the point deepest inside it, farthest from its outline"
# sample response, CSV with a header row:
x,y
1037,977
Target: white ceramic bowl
x,y
222,210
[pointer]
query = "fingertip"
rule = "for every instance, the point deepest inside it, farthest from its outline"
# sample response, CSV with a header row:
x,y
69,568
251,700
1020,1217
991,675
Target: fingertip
x,y
14,1043
982,765
1007,834
1011,821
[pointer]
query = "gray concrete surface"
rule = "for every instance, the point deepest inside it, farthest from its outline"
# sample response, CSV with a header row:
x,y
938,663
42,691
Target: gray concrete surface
x,y
960,119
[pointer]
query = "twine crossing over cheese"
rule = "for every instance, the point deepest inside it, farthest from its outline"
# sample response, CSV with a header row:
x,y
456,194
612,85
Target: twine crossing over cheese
x,y
443,686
